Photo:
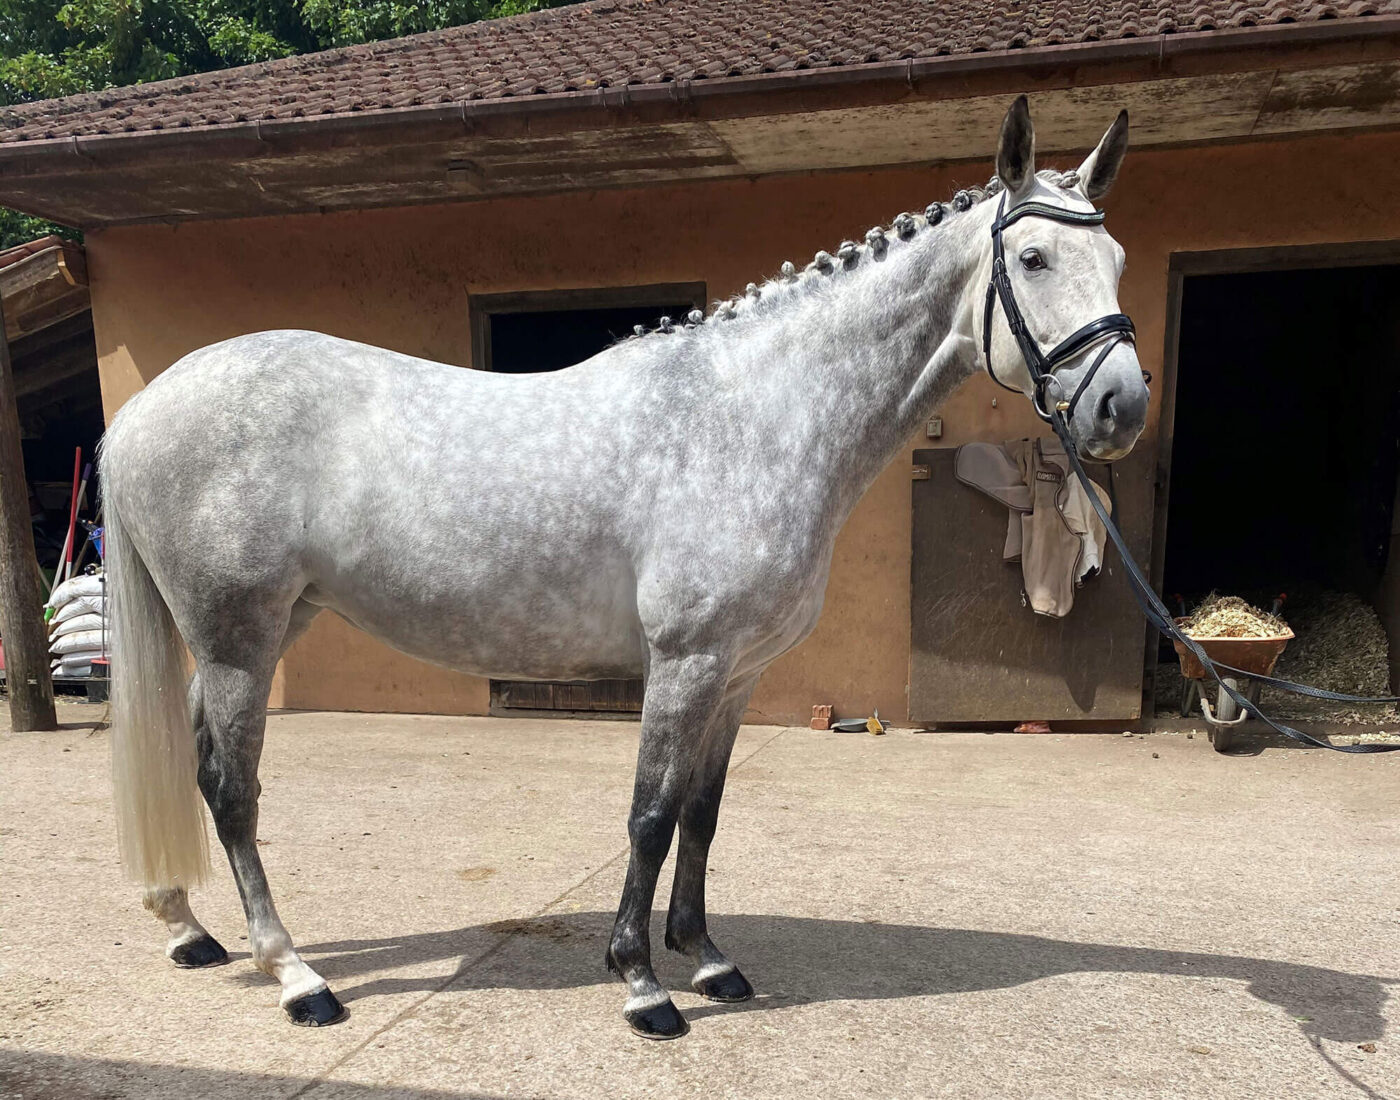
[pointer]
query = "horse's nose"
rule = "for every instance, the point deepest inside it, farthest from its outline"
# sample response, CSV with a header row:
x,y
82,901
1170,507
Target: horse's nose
x,y
1121,410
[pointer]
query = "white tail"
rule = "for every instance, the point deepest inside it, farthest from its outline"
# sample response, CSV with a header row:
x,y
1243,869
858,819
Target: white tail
x,y
155,765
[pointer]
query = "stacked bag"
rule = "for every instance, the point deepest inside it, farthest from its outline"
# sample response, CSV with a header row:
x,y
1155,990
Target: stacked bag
x,y
78,627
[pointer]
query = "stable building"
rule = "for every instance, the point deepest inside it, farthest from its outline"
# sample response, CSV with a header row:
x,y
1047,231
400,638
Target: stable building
x,y
512,195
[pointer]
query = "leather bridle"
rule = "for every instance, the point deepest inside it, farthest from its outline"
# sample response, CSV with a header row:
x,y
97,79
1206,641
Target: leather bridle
x,y
1110,330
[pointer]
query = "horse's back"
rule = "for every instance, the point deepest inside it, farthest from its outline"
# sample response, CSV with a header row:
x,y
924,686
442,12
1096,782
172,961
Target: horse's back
x,y
436,507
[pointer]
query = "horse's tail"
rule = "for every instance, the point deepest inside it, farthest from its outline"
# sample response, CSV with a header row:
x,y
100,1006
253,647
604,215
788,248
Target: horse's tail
x,y
160,821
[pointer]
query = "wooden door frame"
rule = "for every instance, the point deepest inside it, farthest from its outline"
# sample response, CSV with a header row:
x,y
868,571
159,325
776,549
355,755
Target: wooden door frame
x,y
1225,261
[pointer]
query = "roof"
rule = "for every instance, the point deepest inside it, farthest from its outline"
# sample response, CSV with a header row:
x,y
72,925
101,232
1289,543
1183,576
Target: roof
x,y
41,283
636,44
15,253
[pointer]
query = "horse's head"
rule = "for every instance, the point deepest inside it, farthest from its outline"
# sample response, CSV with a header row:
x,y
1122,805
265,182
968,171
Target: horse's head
x,y
1061,275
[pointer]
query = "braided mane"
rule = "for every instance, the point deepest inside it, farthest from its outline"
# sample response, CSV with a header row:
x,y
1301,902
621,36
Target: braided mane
x,y
848,255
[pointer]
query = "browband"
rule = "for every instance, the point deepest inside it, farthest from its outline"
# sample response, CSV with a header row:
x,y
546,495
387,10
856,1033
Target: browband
x,y
1045,210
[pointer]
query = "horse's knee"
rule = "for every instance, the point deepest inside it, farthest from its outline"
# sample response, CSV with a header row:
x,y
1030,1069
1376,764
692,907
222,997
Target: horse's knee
x,y
651,830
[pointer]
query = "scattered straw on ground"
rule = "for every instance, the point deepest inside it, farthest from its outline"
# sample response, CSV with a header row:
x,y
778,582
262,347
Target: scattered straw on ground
x,y
1231,617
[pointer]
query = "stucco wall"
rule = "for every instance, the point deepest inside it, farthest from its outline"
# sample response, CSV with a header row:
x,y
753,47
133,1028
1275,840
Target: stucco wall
x,y
400,278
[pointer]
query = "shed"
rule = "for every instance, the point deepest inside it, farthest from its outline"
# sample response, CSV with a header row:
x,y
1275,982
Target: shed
x,y
565,171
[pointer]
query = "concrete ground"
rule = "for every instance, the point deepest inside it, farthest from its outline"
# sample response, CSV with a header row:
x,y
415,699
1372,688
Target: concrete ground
x,y
957,915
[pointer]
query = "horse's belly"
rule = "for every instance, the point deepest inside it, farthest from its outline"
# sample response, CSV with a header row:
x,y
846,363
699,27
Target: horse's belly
x,y
506,631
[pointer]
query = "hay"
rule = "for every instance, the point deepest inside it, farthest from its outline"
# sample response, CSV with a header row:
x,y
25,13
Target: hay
x,y
1232,617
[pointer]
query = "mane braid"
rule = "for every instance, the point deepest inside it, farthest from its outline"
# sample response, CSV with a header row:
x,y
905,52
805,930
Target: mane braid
x,y
849,255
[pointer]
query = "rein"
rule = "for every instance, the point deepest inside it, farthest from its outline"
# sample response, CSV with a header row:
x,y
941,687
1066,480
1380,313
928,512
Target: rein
x,y
1111,330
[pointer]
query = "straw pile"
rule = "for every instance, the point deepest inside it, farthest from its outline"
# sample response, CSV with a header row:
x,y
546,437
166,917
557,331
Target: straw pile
x,y
1231,617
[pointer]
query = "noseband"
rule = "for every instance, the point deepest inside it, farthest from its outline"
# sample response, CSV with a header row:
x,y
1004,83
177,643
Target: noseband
x,y
1110,330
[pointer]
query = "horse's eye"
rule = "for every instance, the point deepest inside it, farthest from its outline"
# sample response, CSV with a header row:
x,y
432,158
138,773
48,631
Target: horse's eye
x,y
1032,260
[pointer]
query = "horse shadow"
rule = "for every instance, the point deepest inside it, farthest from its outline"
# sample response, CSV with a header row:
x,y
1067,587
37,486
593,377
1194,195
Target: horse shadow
x,y
801,960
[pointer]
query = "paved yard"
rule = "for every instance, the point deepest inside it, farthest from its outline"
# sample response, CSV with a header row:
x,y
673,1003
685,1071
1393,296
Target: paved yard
x,y
922,915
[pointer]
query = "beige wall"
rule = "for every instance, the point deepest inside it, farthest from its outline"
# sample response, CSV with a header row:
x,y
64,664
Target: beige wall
x,y
400,278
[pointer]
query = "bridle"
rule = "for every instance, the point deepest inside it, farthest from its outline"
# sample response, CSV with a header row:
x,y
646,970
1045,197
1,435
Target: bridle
x,y
1110,330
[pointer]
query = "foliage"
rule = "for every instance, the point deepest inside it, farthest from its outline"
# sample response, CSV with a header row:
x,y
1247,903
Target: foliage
x,y
52,48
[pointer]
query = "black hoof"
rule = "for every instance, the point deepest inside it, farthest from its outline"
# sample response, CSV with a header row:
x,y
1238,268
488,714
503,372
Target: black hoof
x,y
661,1021
205,951
316,1010
729,987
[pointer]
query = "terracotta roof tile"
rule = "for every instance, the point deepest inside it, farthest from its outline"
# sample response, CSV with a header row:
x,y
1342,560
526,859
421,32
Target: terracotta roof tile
x,y
616,43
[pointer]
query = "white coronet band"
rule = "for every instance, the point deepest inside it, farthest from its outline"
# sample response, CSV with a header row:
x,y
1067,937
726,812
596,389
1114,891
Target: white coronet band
x,y
642,1002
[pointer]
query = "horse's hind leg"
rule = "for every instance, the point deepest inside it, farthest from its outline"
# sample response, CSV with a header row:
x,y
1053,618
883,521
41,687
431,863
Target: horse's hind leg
x,y
682,695
229,724
190,945
716,978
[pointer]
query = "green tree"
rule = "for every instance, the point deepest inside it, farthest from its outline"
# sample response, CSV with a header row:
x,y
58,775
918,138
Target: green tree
x,y
52,48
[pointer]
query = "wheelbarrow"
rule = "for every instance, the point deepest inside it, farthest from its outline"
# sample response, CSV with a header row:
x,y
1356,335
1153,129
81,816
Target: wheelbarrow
x,y
1255,656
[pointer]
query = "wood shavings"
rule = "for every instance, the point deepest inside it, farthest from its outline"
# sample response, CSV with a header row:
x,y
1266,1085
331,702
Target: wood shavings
x,y
1341,646
1232,617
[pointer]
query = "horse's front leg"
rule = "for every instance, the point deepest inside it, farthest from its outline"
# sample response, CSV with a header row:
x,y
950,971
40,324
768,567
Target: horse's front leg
x,y
716,978
682,696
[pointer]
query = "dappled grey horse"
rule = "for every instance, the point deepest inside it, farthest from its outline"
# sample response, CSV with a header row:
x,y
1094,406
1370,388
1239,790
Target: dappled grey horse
x,y
556,526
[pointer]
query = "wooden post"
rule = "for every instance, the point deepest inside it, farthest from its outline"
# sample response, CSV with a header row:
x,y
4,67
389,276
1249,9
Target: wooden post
x,y
21,606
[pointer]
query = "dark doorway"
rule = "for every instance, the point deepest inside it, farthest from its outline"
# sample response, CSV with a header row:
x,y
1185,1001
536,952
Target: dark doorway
x,y
535,332
1285,438
530,343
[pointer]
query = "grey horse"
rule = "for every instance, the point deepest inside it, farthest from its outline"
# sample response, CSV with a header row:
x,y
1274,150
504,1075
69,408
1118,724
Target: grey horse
x,y
554,526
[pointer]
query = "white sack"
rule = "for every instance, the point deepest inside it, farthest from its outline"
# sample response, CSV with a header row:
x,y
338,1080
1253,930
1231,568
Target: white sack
x,y
81,605
77,586
72,643
77,623
77,667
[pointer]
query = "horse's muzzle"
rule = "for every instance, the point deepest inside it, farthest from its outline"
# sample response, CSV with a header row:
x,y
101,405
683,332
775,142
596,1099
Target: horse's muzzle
x,y
1119,415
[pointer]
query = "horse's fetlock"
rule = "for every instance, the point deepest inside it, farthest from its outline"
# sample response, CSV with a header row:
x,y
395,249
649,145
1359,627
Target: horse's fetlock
x,y
627,949
675,943
162,900
685,929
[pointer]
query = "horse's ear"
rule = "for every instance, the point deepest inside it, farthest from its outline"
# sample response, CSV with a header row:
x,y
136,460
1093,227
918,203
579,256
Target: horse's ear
x,y
1100,168
1016,149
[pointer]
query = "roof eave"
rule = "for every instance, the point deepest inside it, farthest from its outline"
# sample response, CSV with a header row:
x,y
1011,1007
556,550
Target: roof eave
x,y
729,96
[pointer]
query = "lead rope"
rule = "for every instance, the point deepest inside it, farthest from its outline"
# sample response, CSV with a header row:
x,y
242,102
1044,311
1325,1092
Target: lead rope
x,y
1158,615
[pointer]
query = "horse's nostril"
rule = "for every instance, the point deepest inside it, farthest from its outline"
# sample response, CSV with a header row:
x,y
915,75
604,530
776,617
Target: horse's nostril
x,y
1106,410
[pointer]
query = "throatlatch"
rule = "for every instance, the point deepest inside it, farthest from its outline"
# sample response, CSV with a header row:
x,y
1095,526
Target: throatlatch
x,y
1112,329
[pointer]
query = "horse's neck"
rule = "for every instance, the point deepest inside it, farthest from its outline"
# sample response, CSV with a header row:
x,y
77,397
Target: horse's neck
x,y
858,364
